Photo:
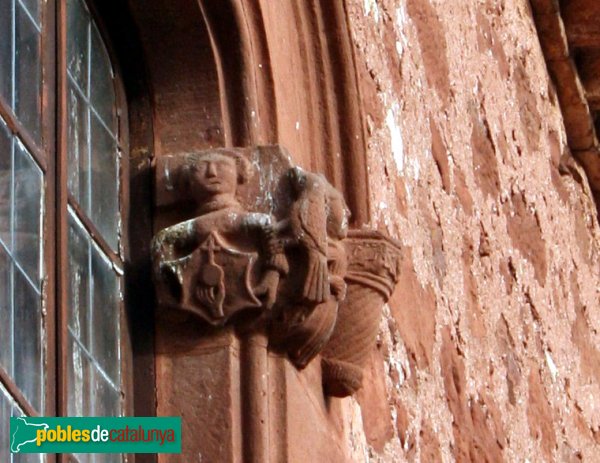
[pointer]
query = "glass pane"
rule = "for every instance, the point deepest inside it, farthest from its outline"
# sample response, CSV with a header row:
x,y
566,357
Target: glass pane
x,y
28,211
78,283
79,391
108,458
33,7
105,315
5,184
78,164
102,87
6,319
28,348
23,457
6,55
95,302
28,81
106,398
5,412
105,183
94,371
27,458
77,43
84,457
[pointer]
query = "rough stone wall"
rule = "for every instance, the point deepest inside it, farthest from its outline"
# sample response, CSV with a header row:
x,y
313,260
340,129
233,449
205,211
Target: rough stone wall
x,y
490,346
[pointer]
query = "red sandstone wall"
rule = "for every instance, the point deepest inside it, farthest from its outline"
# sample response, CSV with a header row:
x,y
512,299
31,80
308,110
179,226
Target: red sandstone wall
x,y
490,348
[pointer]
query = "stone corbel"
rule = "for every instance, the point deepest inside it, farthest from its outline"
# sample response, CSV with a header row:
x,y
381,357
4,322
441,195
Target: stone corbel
x,y
373,271
265,247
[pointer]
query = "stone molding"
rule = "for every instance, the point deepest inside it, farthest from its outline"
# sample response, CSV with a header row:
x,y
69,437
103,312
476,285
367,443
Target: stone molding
x,y
570,41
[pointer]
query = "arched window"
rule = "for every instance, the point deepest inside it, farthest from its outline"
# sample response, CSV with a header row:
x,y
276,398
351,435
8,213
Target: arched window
x,y
94,155
63,151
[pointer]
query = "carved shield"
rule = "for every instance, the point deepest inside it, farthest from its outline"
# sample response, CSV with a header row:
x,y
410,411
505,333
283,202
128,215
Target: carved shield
x,y
217,281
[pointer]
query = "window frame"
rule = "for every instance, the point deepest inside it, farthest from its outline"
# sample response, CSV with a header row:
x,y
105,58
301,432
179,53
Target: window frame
x,y
64,200
43,155
51,156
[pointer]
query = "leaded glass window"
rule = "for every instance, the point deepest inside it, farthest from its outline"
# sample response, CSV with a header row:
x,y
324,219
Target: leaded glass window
x,y
23,182
20,61
62,141
95,269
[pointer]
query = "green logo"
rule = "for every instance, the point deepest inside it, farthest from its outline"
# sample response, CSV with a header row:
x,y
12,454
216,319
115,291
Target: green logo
x,y
95,435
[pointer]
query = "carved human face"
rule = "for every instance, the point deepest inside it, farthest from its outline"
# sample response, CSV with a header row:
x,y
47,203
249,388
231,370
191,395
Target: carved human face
x,y
214,174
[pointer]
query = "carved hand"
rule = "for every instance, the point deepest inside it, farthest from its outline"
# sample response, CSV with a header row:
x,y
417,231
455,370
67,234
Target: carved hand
x,y
338,287
267,288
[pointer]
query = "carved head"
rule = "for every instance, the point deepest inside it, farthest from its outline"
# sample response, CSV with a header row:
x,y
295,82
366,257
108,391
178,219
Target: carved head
x,y
337,214
216,173
297,177
335,208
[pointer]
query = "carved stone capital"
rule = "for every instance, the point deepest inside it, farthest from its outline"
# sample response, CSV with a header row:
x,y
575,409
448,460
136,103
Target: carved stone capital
x,y
374,262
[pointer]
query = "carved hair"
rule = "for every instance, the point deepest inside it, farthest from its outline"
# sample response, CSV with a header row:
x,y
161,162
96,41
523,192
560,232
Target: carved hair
x,y
243,165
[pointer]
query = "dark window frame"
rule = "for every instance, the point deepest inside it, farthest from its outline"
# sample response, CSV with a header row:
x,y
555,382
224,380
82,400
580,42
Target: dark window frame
x,y
65,201
42,151
50,153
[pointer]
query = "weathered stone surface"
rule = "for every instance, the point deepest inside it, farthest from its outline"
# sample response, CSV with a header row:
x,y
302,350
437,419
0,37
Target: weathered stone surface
x,y
490,346
206,396
374,405
310,434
